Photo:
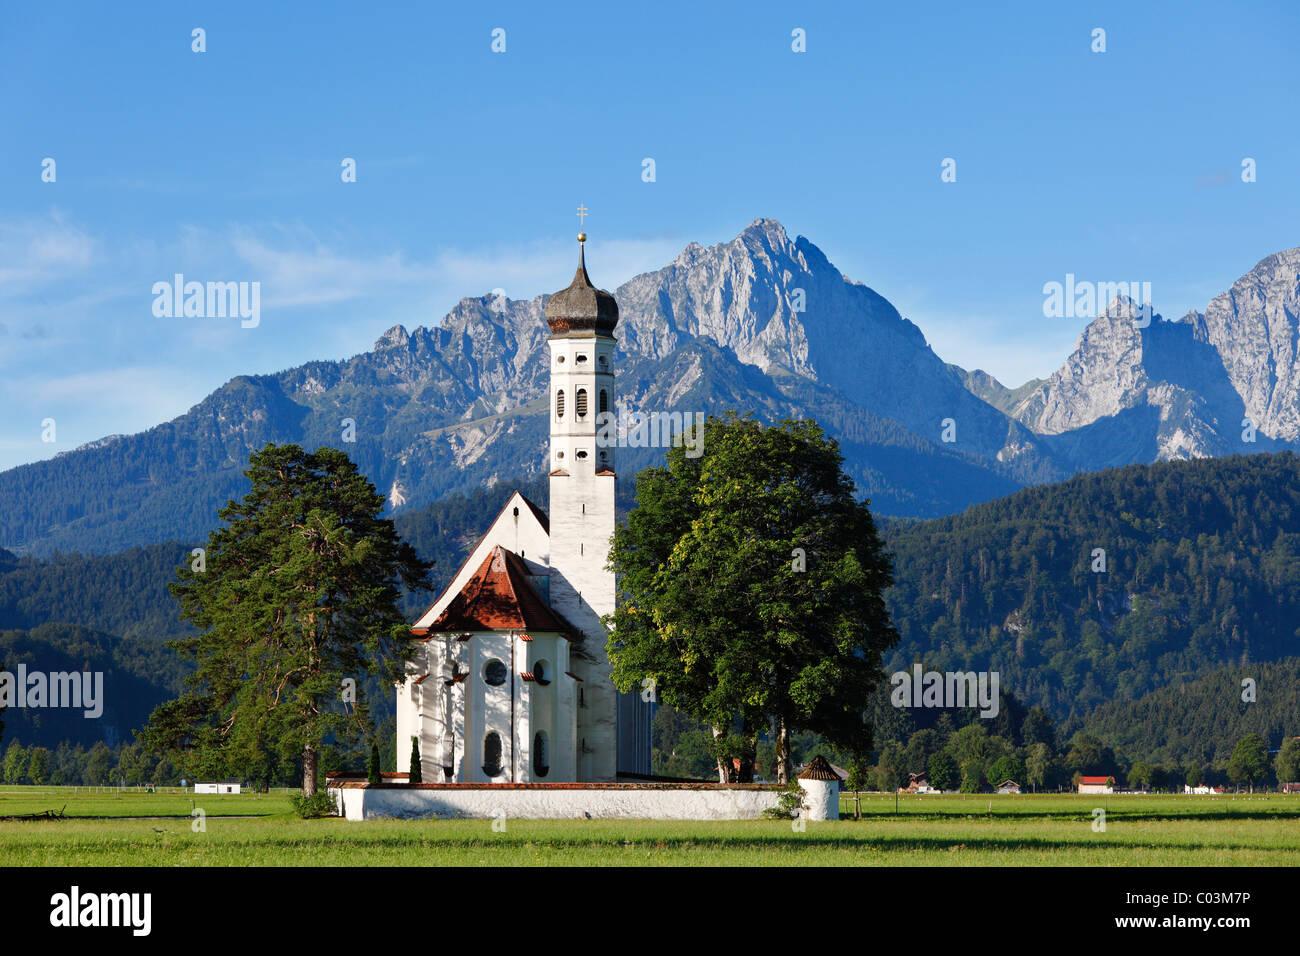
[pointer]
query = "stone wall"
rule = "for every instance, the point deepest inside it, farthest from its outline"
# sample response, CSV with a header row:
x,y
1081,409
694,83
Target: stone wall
x,y
360,801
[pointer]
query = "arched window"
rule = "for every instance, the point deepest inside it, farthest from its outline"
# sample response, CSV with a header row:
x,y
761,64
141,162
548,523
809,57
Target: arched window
x,y
542,672
494,673
492,755
604,400
582,403
559,403
541,754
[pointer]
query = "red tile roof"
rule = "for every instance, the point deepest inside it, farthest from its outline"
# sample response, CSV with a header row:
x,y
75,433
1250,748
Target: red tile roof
x,y
527,675
498,597
1095,780
574,676
538,513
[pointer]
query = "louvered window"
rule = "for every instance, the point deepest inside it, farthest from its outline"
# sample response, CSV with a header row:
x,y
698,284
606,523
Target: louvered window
x,y
582,403
559,404
604,400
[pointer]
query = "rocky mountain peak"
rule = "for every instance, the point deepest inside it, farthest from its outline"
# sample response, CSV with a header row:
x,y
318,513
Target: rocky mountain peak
x,y
395,338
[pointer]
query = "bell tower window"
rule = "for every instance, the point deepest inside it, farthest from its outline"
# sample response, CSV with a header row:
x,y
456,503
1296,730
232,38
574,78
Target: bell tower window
x,y
582,403
559,403
604,401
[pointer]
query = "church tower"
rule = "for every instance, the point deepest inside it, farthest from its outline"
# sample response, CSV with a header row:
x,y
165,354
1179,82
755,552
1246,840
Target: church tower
x,y
582,320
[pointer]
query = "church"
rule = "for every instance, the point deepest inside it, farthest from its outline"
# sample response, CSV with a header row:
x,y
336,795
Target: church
x,y
511,682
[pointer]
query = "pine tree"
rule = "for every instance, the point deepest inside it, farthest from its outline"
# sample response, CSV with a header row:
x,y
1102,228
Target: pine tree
x,y
416,776
374,776
298,591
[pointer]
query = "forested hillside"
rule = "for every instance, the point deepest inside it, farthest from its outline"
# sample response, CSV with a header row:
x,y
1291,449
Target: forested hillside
x,y
1201,569
123,594
1201,587
137,675
1204,718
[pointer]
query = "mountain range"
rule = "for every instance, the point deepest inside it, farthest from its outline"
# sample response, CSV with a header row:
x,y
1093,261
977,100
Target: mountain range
x,y
763,324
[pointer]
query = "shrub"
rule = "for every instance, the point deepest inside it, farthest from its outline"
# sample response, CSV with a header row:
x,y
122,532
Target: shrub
x,y
790,803
319,804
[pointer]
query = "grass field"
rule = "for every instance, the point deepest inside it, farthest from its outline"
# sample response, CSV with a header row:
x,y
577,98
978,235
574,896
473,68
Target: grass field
x,y
1046,830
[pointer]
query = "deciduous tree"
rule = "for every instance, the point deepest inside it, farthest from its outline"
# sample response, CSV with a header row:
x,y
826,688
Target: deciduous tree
x,y
752,587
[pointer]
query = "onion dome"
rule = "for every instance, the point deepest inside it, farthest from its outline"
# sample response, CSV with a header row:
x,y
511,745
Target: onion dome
x,y
581,309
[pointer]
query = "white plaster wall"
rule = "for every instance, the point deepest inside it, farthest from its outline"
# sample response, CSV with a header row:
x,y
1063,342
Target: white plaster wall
x,y
618,803
582,524
489,707
821,798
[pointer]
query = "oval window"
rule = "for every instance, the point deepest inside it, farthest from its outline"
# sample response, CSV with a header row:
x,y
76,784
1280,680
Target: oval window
x,y
492,755
559,404
542,672
494,673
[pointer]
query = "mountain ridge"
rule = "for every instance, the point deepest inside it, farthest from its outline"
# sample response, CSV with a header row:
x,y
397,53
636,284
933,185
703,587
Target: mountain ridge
x,y
760,323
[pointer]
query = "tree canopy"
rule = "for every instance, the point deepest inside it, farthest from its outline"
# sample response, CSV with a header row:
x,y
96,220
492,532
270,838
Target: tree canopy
x,y
752,585
296,594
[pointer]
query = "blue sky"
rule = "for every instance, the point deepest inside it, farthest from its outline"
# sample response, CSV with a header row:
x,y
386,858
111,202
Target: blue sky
x,y
225,166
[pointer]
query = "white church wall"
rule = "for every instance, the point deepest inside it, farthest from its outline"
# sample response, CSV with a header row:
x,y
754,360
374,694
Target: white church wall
x,y
489,707
541,652
566,730
555,802
582,523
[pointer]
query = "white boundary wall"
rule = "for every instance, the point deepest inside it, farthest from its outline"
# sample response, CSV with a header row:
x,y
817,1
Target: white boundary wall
x,y
556,803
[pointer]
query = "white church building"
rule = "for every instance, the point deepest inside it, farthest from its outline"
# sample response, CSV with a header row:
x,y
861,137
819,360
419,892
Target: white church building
x,y
511,684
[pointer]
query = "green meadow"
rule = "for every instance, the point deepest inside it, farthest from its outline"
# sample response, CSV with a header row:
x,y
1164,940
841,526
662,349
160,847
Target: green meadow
x,y
109,828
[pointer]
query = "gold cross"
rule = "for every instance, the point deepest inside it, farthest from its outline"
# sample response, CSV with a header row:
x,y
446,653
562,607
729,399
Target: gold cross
x,y
582,214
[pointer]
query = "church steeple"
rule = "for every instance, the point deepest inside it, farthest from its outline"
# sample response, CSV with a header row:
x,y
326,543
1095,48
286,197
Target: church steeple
x,y
581,308
581,467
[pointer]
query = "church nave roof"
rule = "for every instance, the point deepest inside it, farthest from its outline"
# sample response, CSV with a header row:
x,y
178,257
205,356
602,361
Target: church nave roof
x,y
498,597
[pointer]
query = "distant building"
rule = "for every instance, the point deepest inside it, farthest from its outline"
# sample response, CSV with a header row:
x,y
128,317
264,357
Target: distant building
x,y
1008,786
1187,788
1291,788
224,786
917,783
1096,784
